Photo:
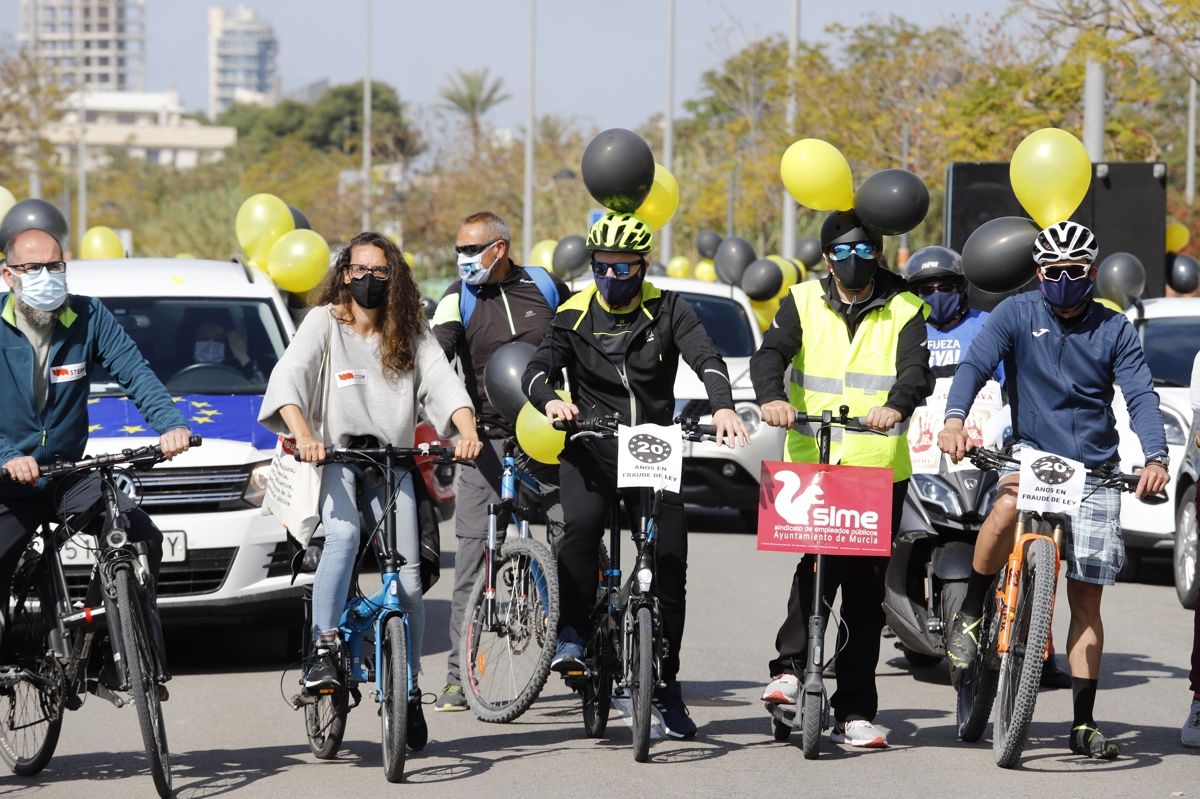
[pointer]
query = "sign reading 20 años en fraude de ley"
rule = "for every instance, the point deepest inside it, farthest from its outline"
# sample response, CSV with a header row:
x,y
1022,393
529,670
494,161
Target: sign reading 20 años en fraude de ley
x,y
650,455
825,509
1049,483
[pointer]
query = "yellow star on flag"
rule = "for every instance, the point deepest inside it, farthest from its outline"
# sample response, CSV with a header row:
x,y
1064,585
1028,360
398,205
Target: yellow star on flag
x,y
201,404
133,428
94,427
202,419
209,412
93,401
176,399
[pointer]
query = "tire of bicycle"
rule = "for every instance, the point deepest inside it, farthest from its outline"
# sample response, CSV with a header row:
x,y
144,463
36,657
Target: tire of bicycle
x,y
393,709
1021,666
597,686
325,723
976,688
641,687
139,660
530,560
813,710
26,632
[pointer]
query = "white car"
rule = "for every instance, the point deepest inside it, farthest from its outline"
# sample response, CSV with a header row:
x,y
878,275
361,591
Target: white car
x,y
1169,329
222,558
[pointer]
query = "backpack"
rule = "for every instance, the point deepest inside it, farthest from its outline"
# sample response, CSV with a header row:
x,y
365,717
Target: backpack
x,y
468,295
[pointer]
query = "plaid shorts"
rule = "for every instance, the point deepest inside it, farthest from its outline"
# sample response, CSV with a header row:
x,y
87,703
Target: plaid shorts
x,y
1095,550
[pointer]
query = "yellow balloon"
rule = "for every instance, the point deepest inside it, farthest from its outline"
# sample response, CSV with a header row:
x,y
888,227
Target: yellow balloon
x,y
298,261
261,220
1177,236
817,175
1107,303
679,266
542,254
1050,173
100,242
791,275
7,201
663,200
705,271
537,436
764,312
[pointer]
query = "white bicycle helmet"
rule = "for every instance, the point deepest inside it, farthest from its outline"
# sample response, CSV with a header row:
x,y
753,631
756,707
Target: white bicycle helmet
x,y
1065,241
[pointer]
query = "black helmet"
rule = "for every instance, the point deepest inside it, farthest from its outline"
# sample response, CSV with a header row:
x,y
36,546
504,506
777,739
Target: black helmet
x,y
844,227
931,262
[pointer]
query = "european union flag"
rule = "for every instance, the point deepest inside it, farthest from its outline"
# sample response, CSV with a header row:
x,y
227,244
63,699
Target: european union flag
x,y
231,417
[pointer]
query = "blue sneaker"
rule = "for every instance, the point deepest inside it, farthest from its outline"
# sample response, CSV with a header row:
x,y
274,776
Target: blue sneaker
x,y
568,653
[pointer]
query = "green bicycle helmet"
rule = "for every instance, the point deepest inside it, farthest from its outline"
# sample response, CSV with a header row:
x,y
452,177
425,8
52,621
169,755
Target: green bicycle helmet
x,y
620,233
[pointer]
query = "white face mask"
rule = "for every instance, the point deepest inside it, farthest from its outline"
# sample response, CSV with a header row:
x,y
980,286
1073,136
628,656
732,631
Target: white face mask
x,y
44,290
470,267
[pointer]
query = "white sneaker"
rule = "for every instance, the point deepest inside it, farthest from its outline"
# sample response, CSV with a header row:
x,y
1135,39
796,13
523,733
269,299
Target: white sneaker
x,y
1190,736
782,690
859,732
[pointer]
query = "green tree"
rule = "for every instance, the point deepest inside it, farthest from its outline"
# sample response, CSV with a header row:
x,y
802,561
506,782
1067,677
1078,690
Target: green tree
x,y
335,122
472,93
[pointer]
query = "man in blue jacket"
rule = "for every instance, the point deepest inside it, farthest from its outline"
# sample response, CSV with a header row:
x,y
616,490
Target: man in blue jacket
x,y
1071,351
49,344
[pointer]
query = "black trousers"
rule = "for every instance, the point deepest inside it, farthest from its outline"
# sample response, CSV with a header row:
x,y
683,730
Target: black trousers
x,y
588,487
861,581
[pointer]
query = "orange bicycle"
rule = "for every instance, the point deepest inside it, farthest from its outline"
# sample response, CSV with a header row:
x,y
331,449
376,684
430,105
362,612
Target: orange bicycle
x,y
1015,632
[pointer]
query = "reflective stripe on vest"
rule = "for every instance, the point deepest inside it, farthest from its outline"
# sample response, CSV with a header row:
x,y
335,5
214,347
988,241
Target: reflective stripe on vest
x,y
832,369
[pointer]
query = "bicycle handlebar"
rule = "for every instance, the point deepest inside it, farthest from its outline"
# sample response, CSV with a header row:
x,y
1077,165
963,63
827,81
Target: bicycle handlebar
x,y
851,423
142,456
606,427
992,460
344,454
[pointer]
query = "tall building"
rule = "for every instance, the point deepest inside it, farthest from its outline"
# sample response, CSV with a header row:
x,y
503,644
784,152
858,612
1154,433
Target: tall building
x,y
242,50
99,43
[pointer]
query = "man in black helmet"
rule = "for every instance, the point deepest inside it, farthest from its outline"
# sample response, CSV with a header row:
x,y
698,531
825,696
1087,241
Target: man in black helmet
x,y
855,338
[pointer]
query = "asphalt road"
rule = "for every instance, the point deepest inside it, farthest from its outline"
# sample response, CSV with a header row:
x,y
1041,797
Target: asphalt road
x,y
232,734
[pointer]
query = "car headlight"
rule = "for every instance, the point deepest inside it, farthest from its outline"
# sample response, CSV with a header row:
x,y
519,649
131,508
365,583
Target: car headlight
x,y
256,486
1173,427
936,491
750,415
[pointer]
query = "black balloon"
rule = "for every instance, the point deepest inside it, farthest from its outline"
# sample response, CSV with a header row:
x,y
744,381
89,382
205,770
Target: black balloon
x,y
893,201
502,378
998,256
618,169
762,279
1121,278
732,258
1183,273
570,256
808,250
707,243
428,305
33,214
299,220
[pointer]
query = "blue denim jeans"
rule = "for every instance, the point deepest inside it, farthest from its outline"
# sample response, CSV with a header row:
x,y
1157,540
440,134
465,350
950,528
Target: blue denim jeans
x,y
340,518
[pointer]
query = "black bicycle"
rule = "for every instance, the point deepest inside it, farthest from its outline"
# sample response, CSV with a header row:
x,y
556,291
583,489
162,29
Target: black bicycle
x,y
50,641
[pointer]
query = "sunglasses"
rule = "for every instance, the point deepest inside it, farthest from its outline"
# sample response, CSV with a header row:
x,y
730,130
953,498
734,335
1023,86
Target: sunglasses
x,y
53,267
863,249
927,289
600,269
1073,272
377,272
471,250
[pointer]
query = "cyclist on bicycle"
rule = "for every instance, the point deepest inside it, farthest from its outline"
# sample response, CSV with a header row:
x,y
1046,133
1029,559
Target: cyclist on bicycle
x,y
854,338
368,334
620,341
1064,353
52,341
493,302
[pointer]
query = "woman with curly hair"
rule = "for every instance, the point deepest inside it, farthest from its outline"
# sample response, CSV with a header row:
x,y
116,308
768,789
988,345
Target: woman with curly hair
x,y
369,339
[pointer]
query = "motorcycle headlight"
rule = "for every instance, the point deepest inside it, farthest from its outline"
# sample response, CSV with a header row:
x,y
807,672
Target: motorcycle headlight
x,y
1174,429
256,486
936,491
750,415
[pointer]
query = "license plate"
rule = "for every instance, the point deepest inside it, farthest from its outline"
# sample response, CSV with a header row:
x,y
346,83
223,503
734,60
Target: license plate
x,y
80,550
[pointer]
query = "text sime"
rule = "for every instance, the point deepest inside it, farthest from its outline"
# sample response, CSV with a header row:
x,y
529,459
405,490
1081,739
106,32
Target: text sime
x,y
833,516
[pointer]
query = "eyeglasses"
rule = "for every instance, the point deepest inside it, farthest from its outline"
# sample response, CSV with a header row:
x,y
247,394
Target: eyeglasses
x,y
863,249
1073,272
53,267
600,269
471,250
377,272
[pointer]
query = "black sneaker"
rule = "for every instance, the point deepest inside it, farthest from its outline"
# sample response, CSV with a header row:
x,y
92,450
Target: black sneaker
x,y
418,731
322,672
1090,742
963,645
677,722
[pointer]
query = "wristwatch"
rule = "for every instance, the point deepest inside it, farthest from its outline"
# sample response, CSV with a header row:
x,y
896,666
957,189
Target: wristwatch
x,y
1162,460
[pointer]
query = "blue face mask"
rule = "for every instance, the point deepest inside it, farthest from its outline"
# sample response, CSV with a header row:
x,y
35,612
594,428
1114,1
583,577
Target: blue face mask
x,y
44,290
944,306
207,351
1065,293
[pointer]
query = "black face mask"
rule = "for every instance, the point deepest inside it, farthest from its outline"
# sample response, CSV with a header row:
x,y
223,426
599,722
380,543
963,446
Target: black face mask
x,y
368,291
854,273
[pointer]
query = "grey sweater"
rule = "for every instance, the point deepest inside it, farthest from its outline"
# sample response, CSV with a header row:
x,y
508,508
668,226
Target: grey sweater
x,y
359,398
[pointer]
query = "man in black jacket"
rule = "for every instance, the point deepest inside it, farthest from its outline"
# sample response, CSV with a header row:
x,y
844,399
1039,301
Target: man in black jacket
x,y
620,342
494,302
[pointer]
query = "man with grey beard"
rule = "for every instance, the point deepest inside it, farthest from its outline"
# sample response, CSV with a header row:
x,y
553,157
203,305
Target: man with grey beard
x,y
50,342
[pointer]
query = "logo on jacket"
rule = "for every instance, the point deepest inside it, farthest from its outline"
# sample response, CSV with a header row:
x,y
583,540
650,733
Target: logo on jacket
x,y
350,377
1041,332
1052,470
649,449
68,372
650,336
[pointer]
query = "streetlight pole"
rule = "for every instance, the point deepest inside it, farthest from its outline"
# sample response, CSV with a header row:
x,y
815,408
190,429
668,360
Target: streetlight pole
x,y
669,119
81,214
366,136
787,246
527,211
1190,181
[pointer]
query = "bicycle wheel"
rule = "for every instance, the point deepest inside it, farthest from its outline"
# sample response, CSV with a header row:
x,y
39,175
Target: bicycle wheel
x,y
143,684
393,706
31,703
976,687
598,684
641,686
1021,666
504,669
325,723
813,708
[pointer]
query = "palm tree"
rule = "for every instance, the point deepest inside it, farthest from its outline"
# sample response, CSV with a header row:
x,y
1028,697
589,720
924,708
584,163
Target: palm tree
x,y
473,93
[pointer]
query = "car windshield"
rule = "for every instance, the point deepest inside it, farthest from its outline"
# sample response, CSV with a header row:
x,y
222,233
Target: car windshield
x,y
200,346
1171,344
726,322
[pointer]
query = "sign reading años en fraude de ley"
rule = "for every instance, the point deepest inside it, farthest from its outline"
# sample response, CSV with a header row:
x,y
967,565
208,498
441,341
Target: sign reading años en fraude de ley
x,y
825,509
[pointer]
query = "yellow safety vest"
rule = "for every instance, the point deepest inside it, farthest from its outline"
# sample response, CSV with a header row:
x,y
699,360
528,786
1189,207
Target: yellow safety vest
x,y
832,370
